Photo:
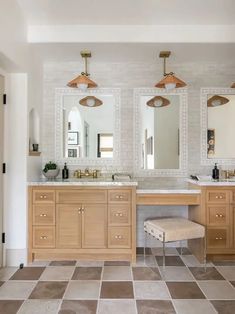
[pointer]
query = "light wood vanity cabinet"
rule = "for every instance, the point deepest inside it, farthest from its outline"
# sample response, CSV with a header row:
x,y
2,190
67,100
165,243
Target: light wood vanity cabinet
x,y
82,222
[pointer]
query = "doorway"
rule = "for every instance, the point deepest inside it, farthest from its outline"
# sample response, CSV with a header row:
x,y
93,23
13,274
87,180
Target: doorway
x,y
1,162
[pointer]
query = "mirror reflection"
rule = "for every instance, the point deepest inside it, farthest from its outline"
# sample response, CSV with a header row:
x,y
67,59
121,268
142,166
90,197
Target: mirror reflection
x,y
88,126
221,126
160,123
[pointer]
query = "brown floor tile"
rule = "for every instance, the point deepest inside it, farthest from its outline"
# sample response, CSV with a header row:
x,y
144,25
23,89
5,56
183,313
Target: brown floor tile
x,y
28,273
140,251
117,290
233,283
79,307
1,283
10,306
116,263
210,274
170,261
154,307
87,273
49,290
224,263
62,263
185,290
146,273
185,251
224,306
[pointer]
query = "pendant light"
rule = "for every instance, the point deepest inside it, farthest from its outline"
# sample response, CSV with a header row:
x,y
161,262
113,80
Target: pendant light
x,y
216,101
233,85
158,101
83,81
170,81
90,101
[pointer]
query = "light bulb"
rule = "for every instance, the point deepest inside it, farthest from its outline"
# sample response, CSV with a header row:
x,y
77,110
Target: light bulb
x,y
90,102
158,103
82,86
169,86
216,103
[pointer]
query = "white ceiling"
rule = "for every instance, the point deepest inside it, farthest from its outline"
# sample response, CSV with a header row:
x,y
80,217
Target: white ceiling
x,y
121,12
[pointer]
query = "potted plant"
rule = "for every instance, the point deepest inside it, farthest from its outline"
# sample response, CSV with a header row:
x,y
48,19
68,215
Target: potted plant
x,y
51,170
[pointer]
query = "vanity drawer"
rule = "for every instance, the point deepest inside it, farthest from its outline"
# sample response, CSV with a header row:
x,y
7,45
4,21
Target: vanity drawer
x,y
43,214
119,196
218,238
119,214
43,196
218,214
119,237
43,237
81,196
218,196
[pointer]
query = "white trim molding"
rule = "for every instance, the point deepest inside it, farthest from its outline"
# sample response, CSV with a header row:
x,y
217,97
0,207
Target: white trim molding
x,y
183,124
60,93
205,91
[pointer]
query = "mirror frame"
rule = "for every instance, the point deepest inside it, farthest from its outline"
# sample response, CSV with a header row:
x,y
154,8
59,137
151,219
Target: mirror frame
x,y
205,91
60,93
183,125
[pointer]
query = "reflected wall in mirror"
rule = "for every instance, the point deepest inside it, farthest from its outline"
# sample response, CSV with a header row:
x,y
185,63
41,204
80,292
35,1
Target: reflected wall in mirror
x,y
160,136
84,132
218,127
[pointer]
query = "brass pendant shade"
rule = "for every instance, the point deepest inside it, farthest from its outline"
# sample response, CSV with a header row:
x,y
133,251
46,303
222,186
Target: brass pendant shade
x,y
216,101
233,85
83,81
90,101
169,81
158,101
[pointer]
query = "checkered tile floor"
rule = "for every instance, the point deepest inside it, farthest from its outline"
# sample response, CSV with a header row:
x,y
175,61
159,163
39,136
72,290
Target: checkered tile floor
x,y
69,287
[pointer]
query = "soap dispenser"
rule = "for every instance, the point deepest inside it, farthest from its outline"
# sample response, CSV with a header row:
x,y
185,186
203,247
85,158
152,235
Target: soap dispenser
x,y
65,172
215,172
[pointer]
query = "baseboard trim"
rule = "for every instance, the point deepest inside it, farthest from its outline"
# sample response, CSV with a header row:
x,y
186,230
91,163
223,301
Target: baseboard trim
x,y
15,257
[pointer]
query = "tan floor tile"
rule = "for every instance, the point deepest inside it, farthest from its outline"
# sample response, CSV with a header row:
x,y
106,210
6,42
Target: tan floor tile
x,y
151,290
40,307
210,273
78,307
117,307
117,273
38,264
16,290
49,290
87,273
116,263
158,251
28,273
62,263
117,290
217,290
192,261
82,289
84,263
10,307
149,261
61,273
224,307
194,307
155,307
228,272
7,272
176,273
184,290
146,273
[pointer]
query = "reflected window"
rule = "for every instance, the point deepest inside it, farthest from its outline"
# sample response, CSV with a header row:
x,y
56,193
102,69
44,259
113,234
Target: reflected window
x,y
105,145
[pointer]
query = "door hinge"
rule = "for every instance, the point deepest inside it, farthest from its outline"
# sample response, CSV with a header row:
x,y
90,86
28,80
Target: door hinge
x,y
3,237
4,168
4,99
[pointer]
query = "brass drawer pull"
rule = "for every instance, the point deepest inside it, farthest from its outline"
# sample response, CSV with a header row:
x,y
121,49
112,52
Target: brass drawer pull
x,y
43,196
118,214
120,197
118,237
221,197
218,238
216,196
43,237
43,215
219,216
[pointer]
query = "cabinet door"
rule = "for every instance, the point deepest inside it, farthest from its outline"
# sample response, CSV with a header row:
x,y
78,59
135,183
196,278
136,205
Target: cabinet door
x,y
94,226
68,226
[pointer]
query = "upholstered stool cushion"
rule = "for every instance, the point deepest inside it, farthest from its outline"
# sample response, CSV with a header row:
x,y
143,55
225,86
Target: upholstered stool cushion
x,y
175,229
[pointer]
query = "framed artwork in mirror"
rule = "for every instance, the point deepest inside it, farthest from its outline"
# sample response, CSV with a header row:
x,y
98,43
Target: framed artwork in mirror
x,y
73,138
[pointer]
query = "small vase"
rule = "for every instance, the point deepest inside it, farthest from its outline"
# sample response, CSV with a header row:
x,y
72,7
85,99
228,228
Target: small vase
x,y
51,174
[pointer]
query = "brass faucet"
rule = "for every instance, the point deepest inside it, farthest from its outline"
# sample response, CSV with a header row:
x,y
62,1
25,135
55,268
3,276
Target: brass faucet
x,y
227,174
87,173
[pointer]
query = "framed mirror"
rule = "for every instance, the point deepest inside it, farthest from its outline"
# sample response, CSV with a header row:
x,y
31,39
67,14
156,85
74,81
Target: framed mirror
x,y
217,126
87,126
160,132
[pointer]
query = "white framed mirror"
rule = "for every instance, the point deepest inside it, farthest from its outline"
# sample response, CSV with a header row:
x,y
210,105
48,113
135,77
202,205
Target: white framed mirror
x,y
160,132
87,126
217,126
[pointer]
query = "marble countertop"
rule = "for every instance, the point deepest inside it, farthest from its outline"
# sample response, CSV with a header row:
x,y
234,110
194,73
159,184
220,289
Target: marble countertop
x,y
229,182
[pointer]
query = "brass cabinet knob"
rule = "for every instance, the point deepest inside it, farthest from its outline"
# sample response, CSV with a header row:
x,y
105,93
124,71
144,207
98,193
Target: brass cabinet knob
x,y
218,238
118,237
43,215
219,215
43,237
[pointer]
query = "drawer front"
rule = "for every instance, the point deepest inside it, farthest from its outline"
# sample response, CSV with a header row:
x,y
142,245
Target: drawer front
x,y
43,214
119,214
218,238
218,215
119,196
218,196
43,237
119,237
81,196
43,196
